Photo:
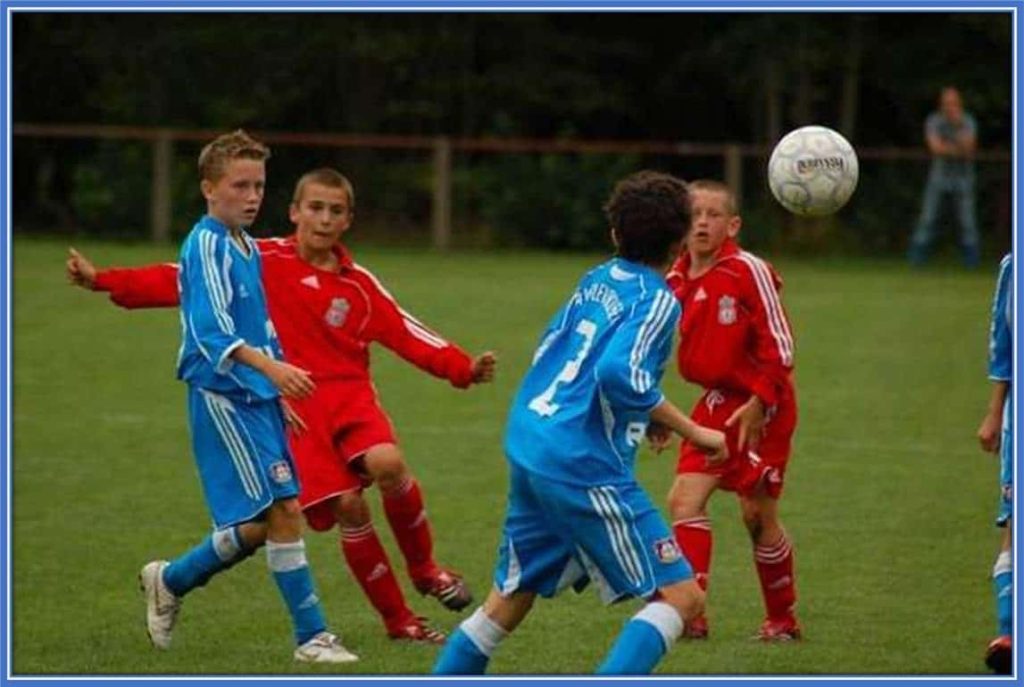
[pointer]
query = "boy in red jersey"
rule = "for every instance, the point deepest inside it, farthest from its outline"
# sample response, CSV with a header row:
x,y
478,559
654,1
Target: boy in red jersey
x,y
327,310
735,342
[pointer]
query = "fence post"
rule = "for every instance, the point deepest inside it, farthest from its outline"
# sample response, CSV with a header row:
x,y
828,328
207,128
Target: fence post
x,y
733,164
160,193
441,222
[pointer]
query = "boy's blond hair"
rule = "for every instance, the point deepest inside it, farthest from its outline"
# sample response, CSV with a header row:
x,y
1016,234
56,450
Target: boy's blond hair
x,y
238,145
325,176
716,187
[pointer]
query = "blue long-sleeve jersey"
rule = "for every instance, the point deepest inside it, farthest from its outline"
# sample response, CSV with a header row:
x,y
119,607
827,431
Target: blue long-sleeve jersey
x,y
1000,337
583,408
223,307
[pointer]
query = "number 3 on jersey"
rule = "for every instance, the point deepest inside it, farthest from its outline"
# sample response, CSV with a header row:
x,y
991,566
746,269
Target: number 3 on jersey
x,y
544,404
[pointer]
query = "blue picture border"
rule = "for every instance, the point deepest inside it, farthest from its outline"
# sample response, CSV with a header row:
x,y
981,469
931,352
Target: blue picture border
x,y
9,6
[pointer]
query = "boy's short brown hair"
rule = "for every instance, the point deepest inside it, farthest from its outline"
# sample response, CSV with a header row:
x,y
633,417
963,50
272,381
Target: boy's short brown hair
x,y
650,212
238,145
715,186
325,176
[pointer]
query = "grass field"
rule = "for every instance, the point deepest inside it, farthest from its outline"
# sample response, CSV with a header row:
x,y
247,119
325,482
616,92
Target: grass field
x,y
888,499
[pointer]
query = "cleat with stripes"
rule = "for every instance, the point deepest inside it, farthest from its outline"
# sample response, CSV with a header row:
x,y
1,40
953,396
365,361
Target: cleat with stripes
x,y
417,630
448,587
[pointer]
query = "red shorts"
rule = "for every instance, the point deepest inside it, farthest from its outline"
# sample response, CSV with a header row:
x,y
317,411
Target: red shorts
x,y
743,472
343,420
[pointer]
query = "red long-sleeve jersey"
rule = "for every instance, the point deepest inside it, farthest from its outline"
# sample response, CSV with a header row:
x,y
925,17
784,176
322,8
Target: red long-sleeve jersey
x,y
734,332
325,319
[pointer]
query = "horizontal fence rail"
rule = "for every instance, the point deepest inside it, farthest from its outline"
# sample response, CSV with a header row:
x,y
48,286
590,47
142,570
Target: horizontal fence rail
x,y
441,149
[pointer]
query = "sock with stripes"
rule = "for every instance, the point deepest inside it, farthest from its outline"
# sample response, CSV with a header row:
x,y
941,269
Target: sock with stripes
x,y
468,649
643,641
695,541
1002,587
216,553
287,563
774,564
369,564
408,519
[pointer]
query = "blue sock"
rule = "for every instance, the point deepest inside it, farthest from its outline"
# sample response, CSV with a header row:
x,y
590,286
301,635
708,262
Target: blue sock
x,y
1002,586
468,649
644,640
216,553
287,562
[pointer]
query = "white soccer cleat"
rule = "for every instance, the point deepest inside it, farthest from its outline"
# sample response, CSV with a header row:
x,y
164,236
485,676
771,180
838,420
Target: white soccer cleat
x,y
161,604
324,648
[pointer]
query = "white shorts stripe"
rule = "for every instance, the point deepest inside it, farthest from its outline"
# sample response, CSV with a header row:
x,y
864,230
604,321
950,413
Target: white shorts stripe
x,y
621,545
235,445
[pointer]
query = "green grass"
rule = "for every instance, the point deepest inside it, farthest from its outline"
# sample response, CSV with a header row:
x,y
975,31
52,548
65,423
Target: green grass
x,y
888,500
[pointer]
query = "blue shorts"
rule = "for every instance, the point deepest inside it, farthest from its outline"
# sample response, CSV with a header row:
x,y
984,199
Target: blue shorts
x,y
242,455
558,535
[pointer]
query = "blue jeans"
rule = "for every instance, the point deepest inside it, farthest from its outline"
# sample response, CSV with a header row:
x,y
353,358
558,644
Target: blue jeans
x,y
961,188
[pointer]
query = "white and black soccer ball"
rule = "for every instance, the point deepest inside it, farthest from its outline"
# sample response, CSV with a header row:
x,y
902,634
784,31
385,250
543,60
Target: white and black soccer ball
x,y
813,171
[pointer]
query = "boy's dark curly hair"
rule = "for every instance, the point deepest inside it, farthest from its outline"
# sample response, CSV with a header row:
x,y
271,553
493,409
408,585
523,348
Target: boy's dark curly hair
x,y
650,213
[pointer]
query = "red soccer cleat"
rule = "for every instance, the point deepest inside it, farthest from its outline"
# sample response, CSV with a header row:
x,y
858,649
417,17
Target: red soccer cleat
x,y
696,628
448,587
785,630
999,655
417,630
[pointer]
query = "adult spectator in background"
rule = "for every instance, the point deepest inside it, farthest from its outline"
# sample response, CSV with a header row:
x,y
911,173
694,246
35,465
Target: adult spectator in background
x,y
952,137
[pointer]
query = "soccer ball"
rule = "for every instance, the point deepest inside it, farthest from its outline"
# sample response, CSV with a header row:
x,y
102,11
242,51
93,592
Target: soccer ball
x,y
813,171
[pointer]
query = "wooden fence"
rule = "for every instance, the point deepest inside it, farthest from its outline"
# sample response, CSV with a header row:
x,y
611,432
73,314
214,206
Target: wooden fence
x,y
440,148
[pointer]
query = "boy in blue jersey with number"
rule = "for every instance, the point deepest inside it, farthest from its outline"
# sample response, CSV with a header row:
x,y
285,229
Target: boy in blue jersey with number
x,y
575,511
996,435
231,360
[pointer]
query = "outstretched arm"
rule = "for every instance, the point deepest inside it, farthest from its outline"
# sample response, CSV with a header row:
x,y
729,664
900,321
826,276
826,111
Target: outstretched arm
x,y
150,286
399,331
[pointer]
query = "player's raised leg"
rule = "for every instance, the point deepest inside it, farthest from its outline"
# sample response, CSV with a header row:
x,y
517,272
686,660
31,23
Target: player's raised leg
x,y
164,584
773,558
407,515
687,500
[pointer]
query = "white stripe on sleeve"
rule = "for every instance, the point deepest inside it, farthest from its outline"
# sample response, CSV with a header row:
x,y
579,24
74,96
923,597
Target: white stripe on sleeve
x,y
777,324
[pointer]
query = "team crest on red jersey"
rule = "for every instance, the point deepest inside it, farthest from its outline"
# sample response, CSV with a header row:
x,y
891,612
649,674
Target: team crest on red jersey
x,y
337,313
667,550
726,310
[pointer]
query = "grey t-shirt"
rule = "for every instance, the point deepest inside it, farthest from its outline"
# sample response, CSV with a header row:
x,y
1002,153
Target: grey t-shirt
x,y
937,124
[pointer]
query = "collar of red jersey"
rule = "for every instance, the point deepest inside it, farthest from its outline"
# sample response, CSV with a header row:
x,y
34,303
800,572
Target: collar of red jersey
x,y
344,257
729,249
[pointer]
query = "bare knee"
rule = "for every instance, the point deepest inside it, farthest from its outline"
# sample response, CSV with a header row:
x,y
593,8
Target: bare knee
x,y
351,510
688,497
761,518
508,611
687,598
284,521
753,522
386,466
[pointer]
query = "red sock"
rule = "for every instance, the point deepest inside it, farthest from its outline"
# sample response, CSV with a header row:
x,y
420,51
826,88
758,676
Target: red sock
x,y
408,518
775,569
369,565
694,538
